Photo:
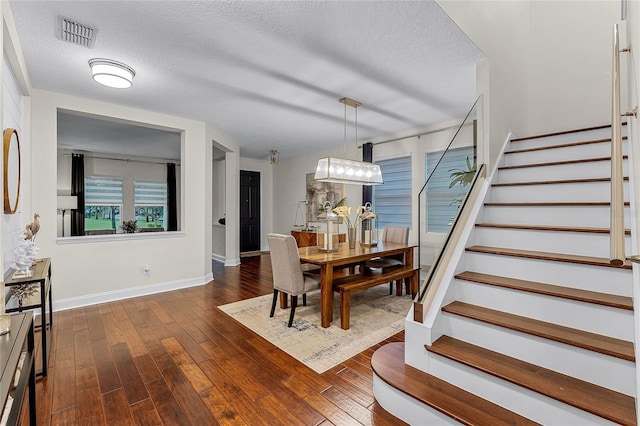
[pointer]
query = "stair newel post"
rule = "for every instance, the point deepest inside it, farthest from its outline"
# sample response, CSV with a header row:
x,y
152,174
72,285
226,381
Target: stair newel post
x,y
616,256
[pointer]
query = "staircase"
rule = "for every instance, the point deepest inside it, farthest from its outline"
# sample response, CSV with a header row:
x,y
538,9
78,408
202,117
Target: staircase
x,y
537,323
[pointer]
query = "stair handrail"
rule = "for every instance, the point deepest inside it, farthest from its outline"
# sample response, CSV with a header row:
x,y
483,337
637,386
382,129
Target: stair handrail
x,y
424,187
617,251
421,302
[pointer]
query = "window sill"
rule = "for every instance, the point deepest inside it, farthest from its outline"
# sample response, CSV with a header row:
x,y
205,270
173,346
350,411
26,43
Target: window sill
x,y
119,237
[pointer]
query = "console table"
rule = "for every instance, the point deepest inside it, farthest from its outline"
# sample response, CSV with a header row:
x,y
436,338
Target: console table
x,y
17,371
40,276
309,238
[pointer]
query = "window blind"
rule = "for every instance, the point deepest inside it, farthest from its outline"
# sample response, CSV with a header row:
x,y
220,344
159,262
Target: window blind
x,y
149,193
392,199
101,191
440,199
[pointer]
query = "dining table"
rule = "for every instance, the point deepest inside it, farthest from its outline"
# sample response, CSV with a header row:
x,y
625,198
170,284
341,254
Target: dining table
x,y
345,257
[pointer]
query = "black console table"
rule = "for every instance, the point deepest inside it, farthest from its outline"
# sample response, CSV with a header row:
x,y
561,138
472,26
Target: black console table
x,y
17,370
41,277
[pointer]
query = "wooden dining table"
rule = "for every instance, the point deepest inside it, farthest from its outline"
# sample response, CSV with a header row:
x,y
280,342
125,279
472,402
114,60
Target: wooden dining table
x,y
345,257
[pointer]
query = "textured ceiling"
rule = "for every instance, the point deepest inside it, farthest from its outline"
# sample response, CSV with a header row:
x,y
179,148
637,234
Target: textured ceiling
x,y
266,74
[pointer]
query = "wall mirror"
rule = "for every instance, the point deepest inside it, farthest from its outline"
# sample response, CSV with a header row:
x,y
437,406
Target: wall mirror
x,y
130,180
11,162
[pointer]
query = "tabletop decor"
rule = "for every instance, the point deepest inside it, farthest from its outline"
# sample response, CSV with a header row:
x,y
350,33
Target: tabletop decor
x,y
359,215
368,234
327,238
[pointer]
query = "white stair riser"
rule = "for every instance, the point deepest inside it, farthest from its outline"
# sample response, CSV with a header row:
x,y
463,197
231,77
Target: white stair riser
x,y
562,139
578,216
594,278
603,320
591,169
529,404
407,408
558,192
602,370
579,243
578,152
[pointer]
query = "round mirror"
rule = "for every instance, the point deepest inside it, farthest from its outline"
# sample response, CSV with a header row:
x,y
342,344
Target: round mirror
x,y
11,170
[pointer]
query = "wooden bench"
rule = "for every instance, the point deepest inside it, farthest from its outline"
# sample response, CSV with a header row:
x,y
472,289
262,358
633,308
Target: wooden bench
x,y
367,279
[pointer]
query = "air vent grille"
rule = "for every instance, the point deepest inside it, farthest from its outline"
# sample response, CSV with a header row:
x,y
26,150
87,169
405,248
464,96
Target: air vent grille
x,y
76,33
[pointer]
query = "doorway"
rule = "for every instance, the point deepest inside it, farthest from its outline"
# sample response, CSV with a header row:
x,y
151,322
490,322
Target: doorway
x,y
249,211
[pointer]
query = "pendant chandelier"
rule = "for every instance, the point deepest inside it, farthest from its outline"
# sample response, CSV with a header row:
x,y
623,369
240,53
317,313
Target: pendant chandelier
x,y
343,170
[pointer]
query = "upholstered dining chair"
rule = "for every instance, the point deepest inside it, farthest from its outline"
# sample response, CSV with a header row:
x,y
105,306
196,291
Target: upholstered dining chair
x,y
288,276
390,234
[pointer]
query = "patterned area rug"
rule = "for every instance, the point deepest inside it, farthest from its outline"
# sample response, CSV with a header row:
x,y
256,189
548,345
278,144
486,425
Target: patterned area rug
x,y
375,316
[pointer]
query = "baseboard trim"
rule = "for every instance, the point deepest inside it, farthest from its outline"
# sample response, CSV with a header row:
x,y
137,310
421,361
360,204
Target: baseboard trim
x,y
218,257
232,262
111,296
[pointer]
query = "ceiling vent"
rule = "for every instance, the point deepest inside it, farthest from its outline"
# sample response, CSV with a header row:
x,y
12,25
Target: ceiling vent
x,y
73,32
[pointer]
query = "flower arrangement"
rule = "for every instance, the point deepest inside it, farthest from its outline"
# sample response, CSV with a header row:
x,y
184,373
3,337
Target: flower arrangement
x,y
361,213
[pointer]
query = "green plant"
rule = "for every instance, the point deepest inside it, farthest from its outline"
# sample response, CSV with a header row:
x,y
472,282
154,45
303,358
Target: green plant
x,y
129,226
463,178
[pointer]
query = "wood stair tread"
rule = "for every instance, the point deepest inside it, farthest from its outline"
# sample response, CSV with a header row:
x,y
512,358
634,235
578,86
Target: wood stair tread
x,y
554,182
586,396
388,364
556,204
611,300
563,145
549,228
564,132
558,163
556,257
583,339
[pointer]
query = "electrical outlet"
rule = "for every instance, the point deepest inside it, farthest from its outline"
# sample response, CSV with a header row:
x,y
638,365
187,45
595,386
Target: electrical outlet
x,y
146,269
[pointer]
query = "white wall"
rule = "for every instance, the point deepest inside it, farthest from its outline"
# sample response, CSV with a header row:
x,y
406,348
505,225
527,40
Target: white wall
x,y
218,208
548,63
12,117
570,67
93,271
501,30
289,177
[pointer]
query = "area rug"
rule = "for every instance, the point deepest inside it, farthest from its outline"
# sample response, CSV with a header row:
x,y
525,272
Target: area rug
x,y
375,316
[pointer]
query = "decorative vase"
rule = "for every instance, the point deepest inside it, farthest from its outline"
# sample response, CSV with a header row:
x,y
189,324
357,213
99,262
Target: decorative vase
x,y
351,237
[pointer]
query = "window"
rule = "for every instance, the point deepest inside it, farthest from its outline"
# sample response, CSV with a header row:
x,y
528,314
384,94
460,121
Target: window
x,y
150,201
392,200
103,202
441,200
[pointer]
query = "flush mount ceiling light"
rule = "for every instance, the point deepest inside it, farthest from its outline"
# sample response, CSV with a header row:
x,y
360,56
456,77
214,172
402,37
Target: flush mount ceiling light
x,y
342,170
112,73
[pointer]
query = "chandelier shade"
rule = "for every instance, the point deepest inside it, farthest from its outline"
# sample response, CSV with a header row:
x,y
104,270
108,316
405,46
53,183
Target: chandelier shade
x,y
341,170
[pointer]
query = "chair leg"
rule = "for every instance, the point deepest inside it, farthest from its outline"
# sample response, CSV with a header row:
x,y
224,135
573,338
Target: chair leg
x,y
273,304
304,299
294,303
390,288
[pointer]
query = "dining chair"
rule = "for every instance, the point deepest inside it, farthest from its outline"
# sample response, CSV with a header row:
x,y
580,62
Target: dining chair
x,y
390,234
288,276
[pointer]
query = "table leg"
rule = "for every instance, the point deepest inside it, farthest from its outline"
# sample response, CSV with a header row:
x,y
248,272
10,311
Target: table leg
x,y
284,300
326,295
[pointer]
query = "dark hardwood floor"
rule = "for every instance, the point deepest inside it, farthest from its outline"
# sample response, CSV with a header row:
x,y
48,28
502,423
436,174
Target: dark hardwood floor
x,y
175,359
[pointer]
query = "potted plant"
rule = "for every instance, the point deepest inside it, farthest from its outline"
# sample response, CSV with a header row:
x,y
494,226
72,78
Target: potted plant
x,y
129,226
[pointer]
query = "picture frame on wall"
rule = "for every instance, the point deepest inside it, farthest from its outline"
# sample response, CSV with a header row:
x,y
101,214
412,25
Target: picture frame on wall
x,y
318,193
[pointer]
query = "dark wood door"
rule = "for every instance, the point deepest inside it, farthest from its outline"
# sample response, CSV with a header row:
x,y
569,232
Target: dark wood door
x,y
249,211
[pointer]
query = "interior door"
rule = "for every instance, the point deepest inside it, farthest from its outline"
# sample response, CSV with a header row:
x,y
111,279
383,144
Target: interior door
x,y
249,211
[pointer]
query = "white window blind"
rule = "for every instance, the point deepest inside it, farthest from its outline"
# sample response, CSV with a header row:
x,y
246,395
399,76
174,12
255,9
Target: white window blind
x,y
392,199
440,199
101,191
149,193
